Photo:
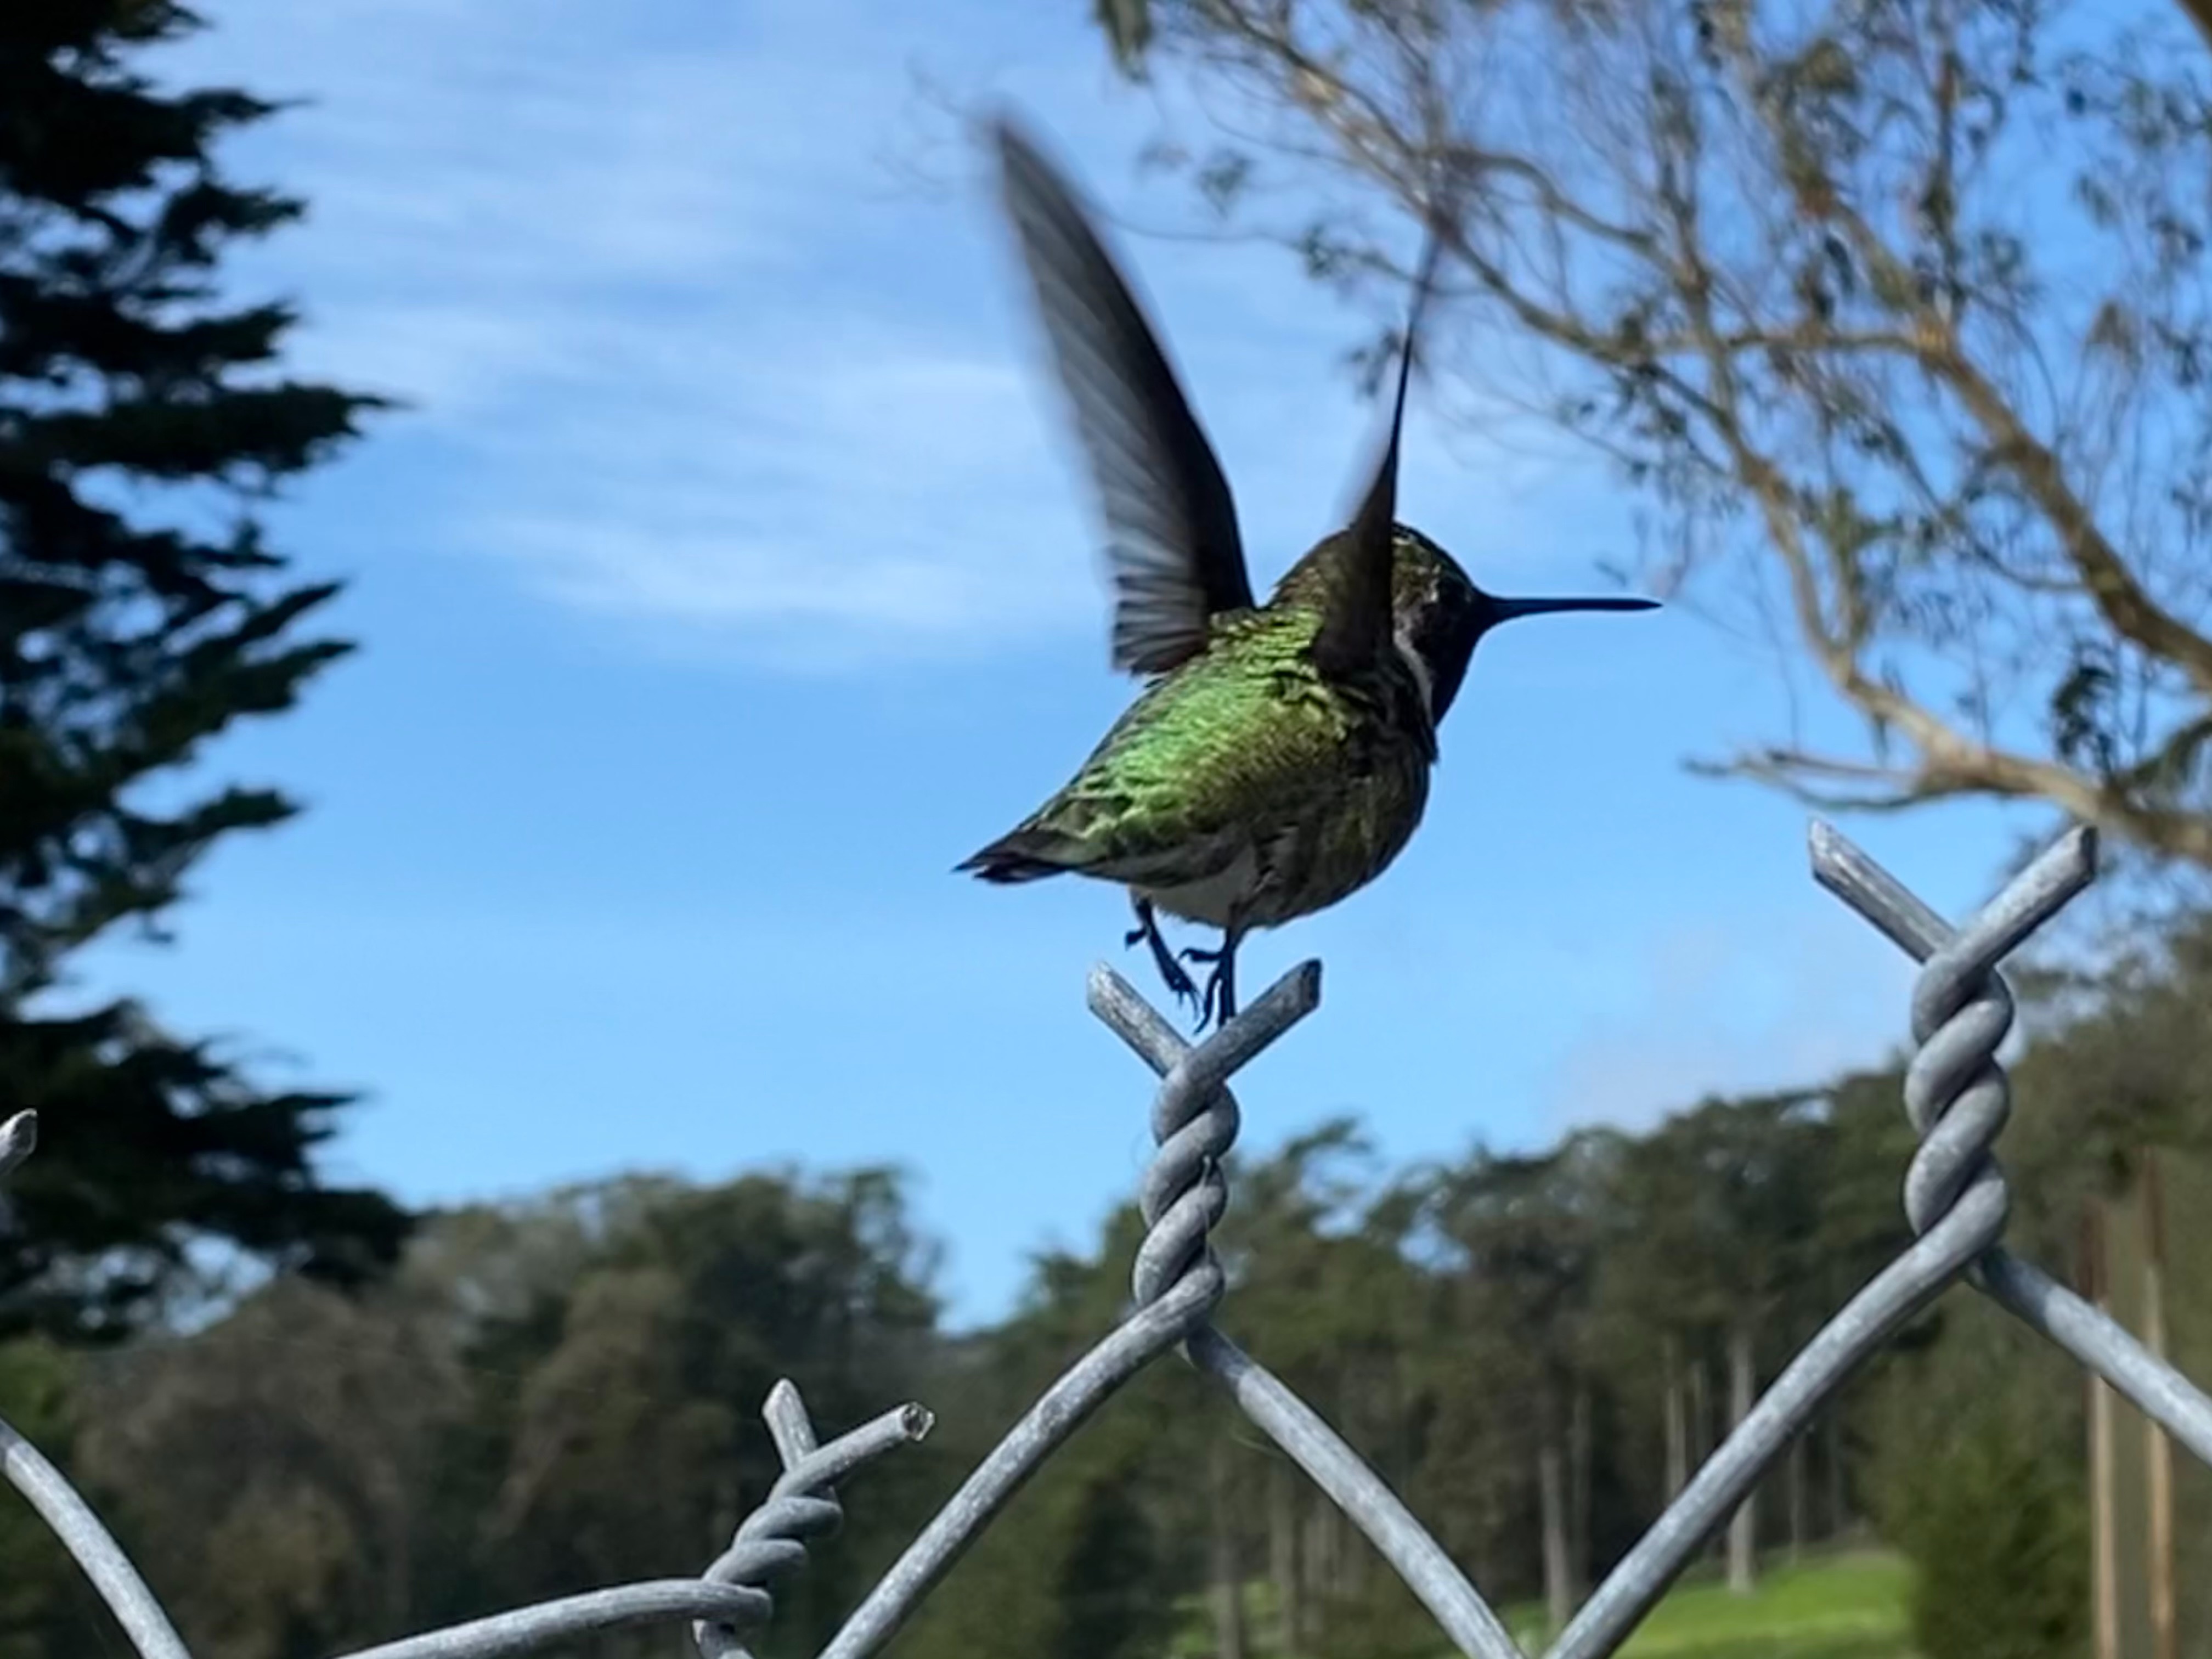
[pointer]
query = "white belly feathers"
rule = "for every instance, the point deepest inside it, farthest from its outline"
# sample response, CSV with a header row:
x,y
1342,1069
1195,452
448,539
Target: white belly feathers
x,y
1208,901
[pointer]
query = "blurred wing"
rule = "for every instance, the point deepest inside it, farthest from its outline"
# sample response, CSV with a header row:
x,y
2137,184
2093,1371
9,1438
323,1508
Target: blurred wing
x,y
1172,540
1357,628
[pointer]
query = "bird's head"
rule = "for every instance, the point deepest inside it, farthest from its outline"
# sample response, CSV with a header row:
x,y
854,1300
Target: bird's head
x,y
1440,614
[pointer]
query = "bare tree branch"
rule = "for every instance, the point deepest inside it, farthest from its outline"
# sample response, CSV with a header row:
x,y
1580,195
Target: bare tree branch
x,y
1794,266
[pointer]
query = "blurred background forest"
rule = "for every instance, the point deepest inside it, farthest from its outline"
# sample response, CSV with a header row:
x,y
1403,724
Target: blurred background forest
x,y
318,1420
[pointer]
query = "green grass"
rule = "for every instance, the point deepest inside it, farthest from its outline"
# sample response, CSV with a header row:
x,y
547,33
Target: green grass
x,y
1849,1605
1842,1607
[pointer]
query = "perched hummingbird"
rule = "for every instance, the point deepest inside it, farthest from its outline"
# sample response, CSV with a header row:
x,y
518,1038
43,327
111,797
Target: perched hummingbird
x,y
1278,758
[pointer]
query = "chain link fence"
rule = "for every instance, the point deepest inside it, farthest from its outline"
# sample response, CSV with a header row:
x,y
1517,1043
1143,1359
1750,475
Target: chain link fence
x,y
1956,1094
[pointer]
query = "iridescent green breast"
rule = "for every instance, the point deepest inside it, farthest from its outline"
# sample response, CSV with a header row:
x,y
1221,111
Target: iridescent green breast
x,y
1245,774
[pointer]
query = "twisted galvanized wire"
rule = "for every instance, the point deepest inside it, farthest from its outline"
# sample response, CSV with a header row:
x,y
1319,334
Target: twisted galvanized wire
x,y
1959,1098
1184,1193
553,1624
1182,1189
1955,1199
802,1506
1178,1282
1957,992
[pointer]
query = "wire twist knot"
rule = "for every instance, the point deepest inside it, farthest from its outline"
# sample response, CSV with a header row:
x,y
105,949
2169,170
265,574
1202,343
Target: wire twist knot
x,y
1183,1195
1956,1092
802,1507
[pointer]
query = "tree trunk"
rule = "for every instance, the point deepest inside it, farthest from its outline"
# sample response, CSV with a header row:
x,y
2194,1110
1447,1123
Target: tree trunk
x,y
1578,1494
1796,1483
1323,1561
1228,1583
2103,1534
1341,1548
2157,1450
1283,1566
1347,1553
1551,1486
1701,1445
1677,1420
1840,1511
1743,1530
1701,1439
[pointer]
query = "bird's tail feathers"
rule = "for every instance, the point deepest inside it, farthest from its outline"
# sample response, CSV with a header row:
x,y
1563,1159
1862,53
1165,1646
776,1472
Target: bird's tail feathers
x,y
1029,853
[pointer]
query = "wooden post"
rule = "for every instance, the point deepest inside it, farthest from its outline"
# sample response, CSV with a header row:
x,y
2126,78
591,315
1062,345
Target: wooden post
x,y
1743,1530
2104,1535
2158,1449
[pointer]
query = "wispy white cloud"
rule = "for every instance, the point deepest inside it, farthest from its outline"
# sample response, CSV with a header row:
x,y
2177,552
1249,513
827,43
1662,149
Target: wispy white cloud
x,y
676,348
689,350
870,485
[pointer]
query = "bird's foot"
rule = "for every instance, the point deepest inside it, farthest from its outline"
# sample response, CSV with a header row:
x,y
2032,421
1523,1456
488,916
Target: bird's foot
x,y
1180,985
1218,1006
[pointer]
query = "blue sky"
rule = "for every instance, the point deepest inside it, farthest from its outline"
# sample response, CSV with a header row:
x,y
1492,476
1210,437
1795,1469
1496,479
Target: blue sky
x,y
729,581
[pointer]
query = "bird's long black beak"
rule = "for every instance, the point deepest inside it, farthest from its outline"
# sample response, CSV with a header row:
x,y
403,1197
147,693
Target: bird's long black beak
x,y
1507,609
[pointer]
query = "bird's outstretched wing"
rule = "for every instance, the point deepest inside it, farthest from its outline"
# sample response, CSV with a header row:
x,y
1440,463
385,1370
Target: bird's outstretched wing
x,y
1173,545
1356,629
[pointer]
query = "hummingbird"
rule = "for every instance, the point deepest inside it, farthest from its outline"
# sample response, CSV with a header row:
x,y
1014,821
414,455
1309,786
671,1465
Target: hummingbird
x,y
1277,759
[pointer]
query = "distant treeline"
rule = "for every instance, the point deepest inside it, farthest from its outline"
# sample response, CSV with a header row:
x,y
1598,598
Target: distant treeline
x,y
1534,1349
